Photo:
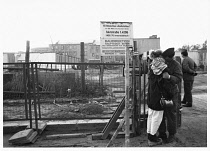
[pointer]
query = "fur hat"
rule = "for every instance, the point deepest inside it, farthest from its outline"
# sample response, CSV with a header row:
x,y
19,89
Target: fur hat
x,y
168,52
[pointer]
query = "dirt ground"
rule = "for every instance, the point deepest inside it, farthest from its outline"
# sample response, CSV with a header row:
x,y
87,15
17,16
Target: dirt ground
x,y
192,133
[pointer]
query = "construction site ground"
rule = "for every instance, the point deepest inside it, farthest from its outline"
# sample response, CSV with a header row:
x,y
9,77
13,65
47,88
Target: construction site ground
x,y
192,133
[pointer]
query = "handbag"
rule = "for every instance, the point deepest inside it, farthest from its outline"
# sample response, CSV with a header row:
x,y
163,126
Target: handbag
x,y
165,103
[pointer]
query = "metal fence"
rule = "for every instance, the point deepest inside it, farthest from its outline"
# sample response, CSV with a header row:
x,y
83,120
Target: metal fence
x,y
60,90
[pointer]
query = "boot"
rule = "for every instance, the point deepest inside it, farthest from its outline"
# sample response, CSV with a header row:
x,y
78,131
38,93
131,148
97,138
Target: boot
x,y
171,138
153,140
163,136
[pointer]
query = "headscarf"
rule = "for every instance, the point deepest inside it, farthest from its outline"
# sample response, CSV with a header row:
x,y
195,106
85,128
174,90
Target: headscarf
x,y
158,63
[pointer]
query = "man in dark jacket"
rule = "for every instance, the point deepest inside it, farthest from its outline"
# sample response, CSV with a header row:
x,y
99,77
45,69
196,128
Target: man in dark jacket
x,y
172,78
188,69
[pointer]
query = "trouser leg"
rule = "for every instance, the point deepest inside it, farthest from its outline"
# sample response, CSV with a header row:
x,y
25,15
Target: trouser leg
x,y
162,127
172,116
187,91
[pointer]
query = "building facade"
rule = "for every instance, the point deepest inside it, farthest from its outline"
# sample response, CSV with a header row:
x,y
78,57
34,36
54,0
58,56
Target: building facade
x,y
8,57
73,51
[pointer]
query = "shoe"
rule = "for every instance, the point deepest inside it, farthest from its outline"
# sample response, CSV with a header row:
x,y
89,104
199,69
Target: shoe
x,y
171,139
154,143
163,137
187,105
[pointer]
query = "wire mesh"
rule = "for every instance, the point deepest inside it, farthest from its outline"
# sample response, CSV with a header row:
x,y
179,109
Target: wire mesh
x,y
61,94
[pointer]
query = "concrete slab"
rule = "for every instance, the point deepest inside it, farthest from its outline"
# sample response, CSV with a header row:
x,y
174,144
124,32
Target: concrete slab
x,y
41,126
20,136
31,139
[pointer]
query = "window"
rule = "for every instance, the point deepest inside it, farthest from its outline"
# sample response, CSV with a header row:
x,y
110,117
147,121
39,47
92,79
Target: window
x,y
97,49
74,53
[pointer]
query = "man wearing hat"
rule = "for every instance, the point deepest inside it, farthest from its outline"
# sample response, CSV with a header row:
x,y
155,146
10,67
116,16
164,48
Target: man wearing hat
x,y
188,69
172,78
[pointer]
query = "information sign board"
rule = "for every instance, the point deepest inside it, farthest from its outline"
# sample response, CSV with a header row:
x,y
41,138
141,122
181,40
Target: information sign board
x,y
115,36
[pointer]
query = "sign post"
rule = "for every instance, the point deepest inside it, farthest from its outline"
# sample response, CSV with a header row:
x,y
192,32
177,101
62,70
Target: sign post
x,y
127,112
117,40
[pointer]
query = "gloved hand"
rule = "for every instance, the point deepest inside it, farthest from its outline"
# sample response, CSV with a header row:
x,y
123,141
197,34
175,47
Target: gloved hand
x,y
166,75
195,74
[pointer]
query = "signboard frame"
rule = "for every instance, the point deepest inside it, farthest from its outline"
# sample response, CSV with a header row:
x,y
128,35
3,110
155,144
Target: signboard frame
x,y
115,37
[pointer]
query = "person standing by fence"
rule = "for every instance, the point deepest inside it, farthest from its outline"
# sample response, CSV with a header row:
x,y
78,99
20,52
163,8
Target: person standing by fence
x,y
172,78
189,71
155,110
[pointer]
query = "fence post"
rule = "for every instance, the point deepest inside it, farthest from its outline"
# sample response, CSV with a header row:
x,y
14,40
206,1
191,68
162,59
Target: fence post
x,y
127,113
25,89
34,96
134,104
101,73
140,94
178,112
37,87
28,79
82,66
144,78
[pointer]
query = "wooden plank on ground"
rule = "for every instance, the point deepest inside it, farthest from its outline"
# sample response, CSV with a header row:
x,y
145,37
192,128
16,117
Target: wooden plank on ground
x,y
113,119
116,133
76,135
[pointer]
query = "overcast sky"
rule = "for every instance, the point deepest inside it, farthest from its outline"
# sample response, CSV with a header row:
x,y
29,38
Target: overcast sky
x,y
176,22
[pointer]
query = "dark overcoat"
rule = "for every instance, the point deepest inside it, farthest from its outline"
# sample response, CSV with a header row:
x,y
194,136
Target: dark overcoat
x,y
158,87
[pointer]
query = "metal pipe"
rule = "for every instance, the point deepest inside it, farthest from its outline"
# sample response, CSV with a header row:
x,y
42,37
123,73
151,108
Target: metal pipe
x,y
144,94
140,73
34,96
25,91
82,66
133,96
29,93
37,88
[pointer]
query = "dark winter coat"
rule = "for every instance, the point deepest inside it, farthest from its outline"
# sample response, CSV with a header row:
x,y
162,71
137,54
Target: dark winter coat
x,y
188,68
168,87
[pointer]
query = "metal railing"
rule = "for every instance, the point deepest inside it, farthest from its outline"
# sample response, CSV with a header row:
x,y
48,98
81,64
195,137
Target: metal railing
x,y
57,91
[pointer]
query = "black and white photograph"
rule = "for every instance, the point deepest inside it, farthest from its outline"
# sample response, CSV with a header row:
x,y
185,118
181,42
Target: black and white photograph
x,y
104,74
